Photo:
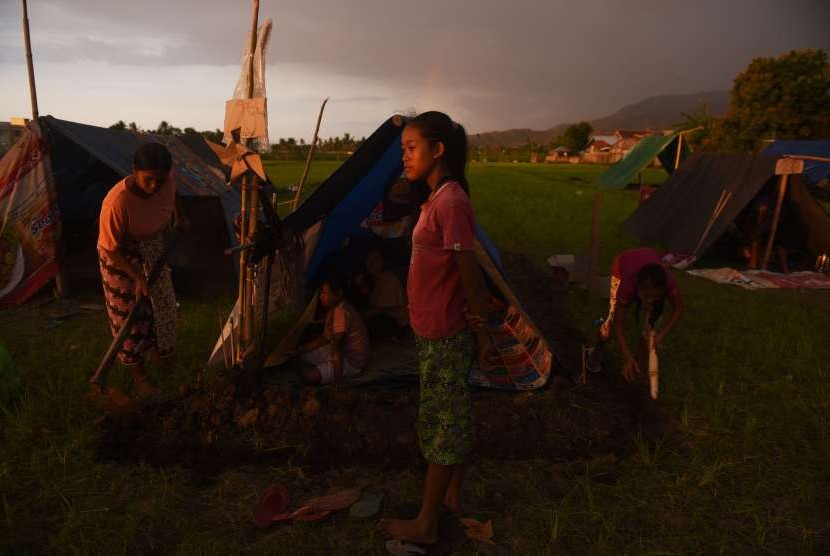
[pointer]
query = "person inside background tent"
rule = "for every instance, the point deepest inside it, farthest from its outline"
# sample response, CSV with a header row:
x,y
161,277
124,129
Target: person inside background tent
x,y
342,350
754,225
387,315
134,217
637,279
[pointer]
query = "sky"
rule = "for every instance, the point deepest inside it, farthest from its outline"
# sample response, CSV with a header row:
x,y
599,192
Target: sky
x,y
490,64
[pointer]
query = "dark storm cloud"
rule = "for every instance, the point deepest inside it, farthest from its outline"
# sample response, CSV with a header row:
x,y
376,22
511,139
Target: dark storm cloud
x,y
501,64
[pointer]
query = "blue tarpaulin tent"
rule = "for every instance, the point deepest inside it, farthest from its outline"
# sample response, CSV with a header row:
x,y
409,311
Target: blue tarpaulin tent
x,y
815,171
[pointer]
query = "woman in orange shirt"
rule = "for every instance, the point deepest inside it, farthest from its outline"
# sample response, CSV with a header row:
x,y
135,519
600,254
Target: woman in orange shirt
x,y
134,216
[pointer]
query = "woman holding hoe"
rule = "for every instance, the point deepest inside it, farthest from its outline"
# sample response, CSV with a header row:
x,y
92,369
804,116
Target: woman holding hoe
x,y
447,314
134,216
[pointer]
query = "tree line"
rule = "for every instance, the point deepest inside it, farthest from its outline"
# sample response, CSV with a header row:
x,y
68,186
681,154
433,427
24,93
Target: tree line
x,y
284,148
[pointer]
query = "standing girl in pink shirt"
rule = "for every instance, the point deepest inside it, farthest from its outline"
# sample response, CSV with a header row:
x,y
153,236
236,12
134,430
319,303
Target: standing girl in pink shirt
x,y
447,314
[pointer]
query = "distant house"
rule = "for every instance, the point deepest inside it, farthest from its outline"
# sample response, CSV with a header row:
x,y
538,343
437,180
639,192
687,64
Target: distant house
x,y
559,154
624,146
606,137
608,147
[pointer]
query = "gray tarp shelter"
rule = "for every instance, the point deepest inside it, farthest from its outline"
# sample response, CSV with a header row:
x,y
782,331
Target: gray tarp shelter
x,y
86,161
697,204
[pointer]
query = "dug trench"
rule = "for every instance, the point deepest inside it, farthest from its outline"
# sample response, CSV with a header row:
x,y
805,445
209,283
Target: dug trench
x,y
214,424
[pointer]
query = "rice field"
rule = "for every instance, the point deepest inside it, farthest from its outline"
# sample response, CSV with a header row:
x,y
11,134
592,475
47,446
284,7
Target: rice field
x,y
746,378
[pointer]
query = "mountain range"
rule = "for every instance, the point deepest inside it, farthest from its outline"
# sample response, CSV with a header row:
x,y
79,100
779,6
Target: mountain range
x,y
656,112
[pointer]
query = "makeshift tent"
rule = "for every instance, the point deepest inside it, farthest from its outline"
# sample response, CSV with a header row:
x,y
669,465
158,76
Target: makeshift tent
x,y
815,171
335,214
662,147
696,205
52,183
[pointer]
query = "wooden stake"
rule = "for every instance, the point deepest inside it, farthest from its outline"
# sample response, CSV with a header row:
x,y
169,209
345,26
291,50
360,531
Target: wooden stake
x,y
593,260
308,158
782,191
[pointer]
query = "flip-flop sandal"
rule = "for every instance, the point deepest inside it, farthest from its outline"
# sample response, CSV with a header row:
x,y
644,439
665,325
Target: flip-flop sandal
x,y
397,547
273,503
335,501
368,506
307,513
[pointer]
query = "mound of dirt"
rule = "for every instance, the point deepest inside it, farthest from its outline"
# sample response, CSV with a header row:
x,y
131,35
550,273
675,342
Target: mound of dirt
x,y
215,424
218,425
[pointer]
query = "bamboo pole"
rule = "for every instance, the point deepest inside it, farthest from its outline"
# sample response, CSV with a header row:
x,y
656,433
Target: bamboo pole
x,y
29,65
679,150
243,267
593,260
250,197
60,278
308,158
782,191
253,217
722,201
252,47
807,157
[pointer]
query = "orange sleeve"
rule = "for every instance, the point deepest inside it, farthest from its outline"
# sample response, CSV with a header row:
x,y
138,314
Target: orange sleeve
x,y
112,225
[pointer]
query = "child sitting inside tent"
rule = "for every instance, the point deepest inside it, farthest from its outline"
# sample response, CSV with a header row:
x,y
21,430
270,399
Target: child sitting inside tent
x,y
387,315
343,349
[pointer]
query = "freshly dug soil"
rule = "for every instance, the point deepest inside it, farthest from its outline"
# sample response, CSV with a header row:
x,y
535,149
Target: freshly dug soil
x,y
215,424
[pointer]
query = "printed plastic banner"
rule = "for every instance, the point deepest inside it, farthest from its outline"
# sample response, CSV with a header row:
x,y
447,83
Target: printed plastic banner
x,y
29,219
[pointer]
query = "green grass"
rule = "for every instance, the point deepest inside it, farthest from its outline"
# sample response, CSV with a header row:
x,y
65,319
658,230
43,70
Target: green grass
x,y
746,374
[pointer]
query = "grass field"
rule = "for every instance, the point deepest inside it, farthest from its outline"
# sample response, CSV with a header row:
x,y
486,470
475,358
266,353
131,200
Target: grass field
x,y
746,375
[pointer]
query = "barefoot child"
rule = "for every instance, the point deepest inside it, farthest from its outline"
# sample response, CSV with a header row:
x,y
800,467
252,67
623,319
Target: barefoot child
x,y
343,348
637,277
444,281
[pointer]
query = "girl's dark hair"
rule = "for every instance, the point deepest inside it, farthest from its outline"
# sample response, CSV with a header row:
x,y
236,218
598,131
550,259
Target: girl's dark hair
x,y
653,275
437,126
152,156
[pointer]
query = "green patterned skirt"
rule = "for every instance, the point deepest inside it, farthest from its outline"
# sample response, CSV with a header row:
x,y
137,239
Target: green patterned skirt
x,y
445,416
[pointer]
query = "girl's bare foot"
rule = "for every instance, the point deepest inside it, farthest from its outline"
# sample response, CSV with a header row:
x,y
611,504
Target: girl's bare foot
x,y
411,530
